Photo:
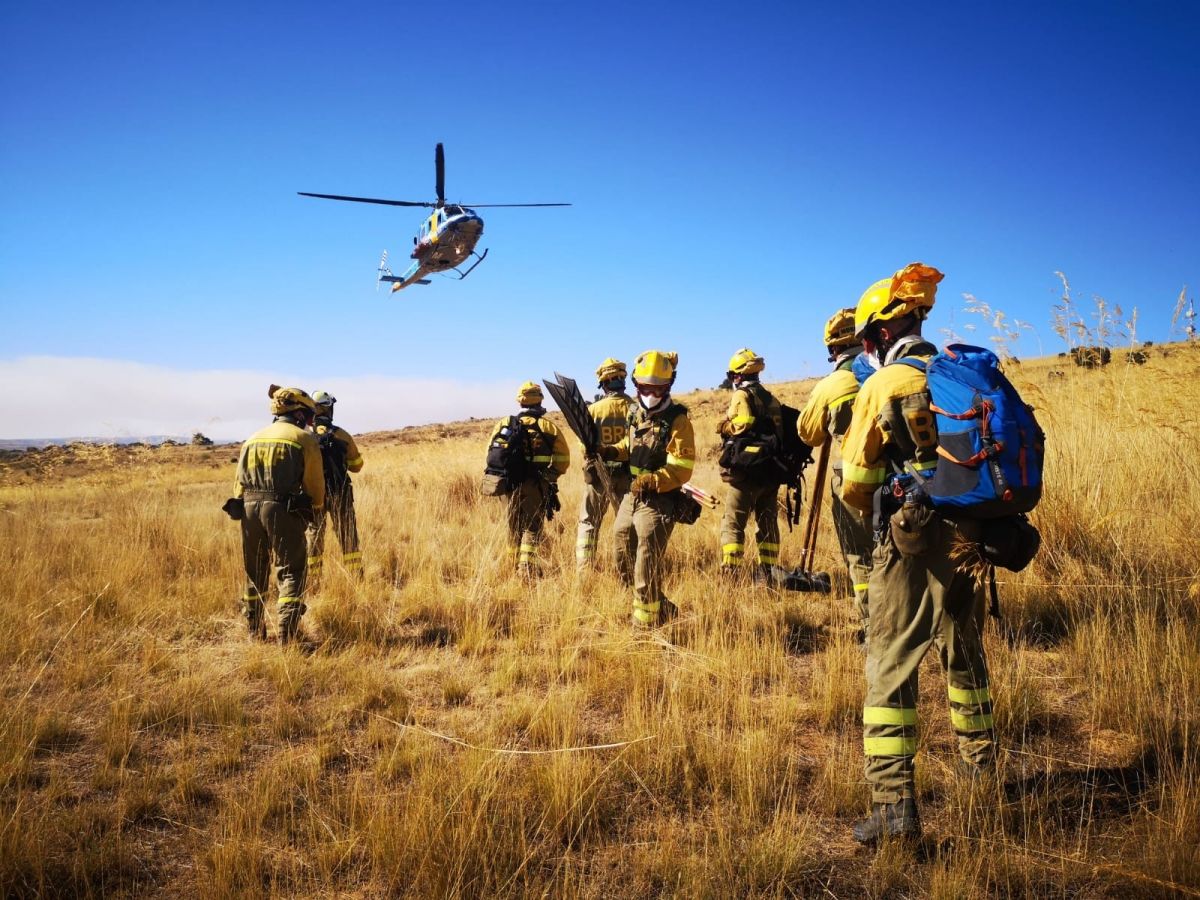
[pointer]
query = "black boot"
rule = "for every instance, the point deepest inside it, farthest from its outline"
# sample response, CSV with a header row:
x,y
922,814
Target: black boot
x,y
256,623
889,820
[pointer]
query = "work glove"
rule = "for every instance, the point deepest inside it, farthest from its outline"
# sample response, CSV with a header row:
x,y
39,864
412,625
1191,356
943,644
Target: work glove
x,y
721,426
608,451
235,508
646,483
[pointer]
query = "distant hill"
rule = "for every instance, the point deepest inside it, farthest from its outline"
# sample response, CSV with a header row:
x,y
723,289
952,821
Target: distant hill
x,y
38,443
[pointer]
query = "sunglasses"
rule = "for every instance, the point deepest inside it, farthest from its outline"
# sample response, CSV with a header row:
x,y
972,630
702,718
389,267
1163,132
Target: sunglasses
x,y
654,390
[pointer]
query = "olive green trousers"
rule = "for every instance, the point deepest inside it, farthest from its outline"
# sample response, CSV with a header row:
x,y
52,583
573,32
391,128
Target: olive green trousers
x,y
918,602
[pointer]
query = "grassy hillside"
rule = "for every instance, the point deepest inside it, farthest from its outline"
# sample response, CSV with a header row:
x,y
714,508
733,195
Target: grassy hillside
x,y
459,733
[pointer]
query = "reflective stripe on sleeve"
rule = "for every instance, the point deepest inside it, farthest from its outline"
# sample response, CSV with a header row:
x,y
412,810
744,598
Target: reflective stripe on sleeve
x,y
864,474
742,420
673,460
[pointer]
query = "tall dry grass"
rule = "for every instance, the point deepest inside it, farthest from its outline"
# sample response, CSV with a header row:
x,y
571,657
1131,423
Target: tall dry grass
x,y
461,733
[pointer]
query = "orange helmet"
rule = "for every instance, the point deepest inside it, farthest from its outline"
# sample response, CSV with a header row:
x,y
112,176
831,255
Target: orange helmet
x,y
910,290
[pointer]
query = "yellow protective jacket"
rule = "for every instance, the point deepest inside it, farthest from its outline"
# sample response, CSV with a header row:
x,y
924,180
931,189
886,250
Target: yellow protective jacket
x,y
892,423
827,413
661,444
741,415
612,413
354,460
281,459
554,455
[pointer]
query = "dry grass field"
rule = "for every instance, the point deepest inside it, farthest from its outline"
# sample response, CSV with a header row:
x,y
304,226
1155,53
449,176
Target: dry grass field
x,y
459,733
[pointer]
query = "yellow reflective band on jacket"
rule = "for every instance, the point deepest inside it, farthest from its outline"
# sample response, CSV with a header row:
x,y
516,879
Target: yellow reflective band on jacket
x,y
890,746
252,595
733,548
971,723
673,460
889,715
285,601
543,459
295,444
860,587
924,466
743,420
966,696
346,557
864,474
561,458
351,463
638,470
845,398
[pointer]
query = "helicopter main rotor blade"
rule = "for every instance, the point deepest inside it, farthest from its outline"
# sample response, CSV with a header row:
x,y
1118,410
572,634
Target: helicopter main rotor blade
x,y
439,159
493,205
366,199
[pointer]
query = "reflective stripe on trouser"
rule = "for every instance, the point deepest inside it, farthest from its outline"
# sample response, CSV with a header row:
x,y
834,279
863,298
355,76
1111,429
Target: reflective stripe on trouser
x,y
595,505
854,534
740,502
918,602
526,516
339,509
643,528
270,532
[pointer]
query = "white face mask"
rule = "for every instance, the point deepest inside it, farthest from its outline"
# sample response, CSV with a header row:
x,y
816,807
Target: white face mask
x,y
650,402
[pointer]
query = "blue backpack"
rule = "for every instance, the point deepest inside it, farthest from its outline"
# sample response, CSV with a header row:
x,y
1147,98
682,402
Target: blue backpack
x,y
989,443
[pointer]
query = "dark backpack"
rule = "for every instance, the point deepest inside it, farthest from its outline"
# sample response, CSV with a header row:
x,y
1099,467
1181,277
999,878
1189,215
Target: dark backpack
x,y
510,456
333,461
764,454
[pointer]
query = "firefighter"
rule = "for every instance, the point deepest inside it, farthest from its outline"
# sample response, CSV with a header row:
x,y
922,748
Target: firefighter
x,y
539,456
825,417
611,413
918,595
753,434
661,449
282,487
339,457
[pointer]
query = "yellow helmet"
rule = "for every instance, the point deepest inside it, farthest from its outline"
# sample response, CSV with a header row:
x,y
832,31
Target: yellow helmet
x,y
746,362
655,367
529,394
910,290
288,399
610,369
323,400
839,330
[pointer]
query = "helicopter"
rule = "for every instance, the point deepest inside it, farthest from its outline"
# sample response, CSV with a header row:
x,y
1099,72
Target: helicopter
x,y
447,237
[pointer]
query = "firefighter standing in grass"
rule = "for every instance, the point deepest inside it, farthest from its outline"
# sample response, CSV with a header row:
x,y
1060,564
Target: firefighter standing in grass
x,y
282,486
825,417
661,449
918,595
754,415
339,457
533,494
611,413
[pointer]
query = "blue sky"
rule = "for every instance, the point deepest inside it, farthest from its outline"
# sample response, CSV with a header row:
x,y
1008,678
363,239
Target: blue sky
x,y
738,172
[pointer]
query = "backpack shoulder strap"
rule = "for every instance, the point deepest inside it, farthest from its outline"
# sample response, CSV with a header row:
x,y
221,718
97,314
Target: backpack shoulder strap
x,y
912,361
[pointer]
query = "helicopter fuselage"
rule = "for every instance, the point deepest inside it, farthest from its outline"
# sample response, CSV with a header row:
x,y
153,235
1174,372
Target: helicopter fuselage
x,y
447,238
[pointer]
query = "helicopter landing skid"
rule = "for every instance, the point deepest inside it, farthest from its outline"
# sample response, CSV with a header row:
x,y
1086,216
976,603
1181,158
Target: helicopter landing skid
x,y
478,259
